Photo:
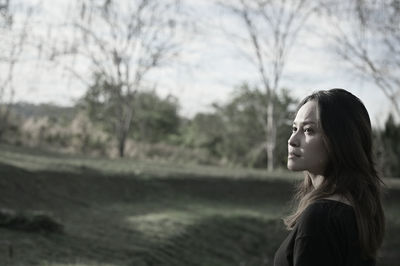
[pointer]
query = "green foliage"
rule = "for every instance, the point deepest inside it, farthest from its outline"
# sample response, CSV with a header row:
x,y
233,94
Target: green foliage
x,y
204,131
391,148
103,102
235,130
153,118
285,111
243,135
9,123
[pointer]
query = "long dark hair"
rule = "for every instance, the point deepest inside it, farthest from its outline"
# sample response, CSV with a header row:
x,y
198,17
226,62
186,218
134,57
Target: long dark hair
x,y
351,170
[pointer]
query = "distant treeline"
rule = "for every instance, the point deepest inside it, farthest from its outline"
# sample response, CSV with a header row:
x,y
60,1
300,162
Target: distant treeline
x,y
230,134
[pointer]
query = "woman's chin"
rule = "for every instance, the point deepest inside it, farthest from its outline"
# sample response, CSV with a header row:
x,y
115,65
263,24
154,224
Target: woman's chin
x,y
293,167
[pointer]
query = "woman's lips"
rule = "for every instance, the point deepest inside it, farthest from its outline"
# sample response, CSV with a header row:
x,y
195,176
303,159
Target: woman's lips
x,y
293,155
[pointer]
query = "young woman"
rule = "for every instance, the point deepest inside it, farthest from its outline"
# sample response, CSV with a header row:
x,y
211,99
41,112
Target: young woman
x,y
339,218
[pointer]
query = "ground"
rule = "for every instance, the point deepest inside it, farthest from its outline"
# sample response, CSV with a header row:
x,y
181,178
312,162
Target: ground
x,y
120,212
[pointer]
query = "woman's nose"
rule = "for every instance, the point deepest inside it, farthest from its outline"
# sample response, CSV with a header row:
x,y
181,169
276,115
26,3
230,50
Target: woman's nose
x,y
293,141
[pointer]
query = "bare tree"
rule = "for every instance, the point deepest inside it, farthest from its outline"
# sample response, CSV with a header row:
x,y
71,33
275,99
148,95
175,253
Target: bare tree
x,y
272,28
367,36
121,42
14,40
4,12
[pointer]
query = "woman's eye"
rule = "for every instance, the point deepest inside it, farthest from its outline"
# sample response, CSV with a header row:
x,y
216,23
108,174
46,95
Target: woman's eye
x,y
308,130
294,129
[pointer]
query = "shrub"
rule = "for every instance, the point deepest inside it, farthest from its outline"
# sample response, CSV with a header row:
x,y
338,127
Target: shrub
x,y
33,221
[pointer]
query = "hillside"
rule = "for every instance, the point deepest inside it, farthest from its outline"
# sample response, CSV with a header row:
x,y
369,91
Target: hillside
x,y
27,110
129,213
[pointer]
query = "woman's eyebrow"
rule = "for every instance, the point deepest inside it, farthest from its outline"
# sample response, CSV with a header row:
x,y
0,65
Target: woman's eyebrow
x,y
305,122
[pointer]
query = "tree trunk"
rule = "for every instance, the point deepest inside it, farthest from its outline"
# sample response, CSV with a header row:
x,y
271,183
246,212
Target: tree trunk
x,y
121,142
271,137
121,147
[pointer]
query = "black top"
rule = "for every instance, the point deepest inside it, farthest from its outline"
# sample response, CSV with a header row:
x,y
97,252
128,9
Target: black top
x,y
325,234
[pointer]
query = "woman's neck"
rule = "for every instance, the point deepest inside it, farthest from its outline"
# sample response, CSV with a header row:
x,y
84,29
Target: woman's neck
x,y
316,179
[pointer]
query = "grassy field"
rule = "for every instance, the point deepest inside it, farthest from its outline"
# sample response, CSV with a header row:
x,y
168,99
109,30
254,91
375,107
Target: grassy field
x,y
122,212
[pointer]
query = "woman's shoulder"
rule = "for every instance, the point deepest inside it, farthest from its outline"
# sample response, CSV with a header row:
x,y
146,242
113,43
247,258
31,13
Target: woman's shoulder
x,y
328,209
325,215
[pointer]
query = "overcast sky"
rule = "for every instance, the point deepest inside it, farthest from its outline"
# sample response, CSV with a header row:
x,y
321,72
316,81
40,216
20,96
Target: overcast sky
x,y
212,66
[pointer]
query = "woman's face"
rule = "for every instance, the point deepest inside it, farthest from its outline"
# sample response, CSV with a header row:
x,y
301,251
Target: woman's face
x,y
306,151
